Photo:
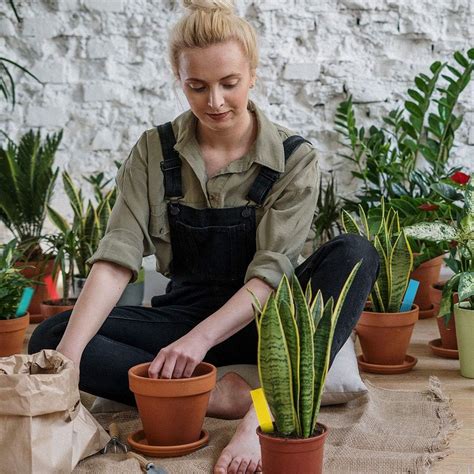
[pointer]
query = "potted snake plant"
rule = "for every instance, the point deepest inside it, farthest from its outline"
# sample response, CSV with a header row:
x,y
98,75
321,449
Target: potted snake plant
x,y
461,234
295,334
12,283
384,329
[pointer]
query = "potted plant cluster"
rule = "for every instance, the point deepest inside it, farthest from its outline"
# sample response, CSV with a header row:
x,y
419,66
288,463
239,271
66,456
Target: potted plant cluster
x,y
295,334
405,160
12,283
461,261
27,171
384,328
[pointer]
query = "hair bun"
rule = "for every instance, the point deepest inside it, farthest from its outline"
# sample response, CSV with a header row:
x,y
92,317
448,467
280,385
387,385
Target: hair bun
x,y
226,6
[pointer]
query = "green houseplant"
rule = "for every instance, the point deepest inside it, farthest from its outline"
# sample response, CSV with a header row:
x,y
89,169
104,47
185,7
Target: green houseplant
x,y
387,158
461,261
384,330
27,171
12,284
295,334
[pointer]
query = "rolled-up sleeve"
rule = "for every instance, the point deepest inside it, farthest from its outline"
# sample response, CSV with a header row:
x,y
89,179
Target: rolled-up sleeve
x,y
126,240
284,226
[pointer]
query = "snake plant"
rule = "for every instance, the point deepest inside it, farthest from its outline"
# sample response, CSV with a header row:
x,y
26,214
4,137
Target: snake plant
x,y
382,228
294,345
461,235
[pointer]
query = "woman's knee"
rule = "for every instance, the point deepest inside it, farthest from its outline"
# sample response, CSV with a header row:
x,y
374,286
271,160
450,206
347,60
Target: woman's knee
x,y
356,248
48,333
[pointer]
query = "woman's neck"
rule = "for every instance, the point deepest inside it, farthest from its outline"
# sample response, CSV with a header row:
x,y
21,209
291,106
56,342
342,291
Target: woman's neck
x,y
236,137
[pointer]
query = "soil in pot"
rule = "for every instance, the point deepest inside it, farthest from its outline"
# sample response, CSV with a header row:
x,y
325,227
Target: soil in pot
x,y
427,274
447,332
12,335
282,455
384,337
172,410
52,307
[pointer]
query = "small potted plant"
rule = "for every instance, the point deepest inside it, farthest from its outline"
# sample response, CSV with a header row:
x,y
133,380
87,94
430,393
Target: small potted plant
x,y
27,171
12,284
384,329
461,234
295,334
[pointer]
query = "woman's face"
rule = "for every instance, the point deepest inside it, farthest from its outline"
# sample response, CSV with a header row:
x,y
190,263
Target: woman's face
x,y
216,82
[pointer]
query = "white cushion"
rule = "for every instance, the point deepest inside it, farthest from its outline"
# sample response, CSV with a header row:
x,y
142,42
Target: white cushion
x,y
343,382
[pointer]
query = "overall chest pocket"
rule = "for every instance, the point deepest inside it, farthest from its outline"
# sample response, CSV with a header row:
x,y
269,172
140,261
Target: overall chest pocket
x,y
214,253
159,226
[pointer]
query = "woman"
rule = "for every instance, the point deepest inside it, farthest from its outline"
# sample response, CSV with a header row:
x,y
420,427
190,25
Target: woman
x,y
224,198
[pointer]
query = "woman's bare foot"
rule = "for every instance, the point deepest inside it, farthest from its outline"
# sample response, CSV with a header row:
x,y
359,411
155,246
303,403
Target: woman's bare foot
x,y
230,399
242,454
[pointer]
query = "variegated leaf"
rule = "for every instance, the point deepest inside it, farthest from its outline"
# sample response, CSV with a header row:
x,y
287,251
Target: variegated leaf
x,y
466,286
349,224
401,262
469,197
432,231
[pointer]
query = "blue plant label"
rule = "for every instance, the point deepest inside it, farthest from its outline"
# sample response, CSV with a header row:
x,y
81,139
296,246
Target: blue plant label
x,y
410,294
25,301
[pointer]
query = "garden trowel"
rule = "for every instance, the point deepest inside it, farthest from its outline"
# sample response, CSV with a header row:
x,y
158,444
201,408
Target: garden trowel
x,y
148,466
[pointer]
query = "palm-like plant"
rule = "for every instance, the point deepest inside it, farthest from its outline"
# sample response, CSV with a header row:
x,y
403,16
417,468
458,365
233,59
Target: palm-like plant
x,y
396,257
27,178
294,345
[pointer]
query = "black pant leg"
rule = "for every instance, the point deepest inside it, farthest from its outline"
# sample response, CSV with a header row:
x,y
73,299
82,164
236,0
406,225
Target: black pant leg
x,y
328,269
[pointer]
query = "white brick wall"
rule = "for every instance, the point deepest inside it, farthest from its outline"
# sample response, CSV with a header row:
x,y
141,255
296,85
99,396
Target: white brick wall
x,y
106,78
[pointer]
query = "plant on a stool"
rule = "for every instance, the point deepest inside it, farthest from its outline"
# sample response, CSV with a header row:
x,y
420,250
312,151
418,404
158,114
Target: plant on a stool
x,y
294,346
461,261
384,332
12,284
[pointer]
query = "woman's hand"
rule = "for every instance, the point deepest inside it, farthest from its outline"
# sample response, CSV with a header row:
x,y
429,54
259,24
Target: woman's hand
x,y
180,358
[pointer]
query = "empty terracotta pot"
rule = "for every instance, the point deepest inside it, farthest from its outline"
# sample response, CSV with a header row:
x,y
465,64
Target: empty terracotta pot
x,y
293,455
447,333
48,309
427,274
172,410
12,335
384,337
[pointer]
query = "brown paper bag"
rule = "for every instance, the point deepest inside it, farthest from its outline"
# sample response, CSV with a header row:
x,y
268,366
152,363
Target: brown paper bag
x,y
44,428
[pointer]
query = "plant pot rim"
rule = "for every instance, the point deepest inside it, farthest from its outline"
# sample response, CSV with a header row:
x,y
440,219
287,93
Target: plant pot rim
x,y
414,308
286,440
182,387
460,308
16,318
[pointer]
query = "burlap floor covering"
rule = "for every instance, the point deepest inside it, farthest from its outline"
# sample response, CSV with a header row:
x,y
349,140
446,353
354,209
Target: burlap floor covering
x,y
385,431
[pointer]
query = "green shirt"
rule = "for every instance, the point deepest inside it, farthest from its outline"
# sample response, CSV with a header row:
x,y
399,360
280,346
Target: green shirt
x,y
138,225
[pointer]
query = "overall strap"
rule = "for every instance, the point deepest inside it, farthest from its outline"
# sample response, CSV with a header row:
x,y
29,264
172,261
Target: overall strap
x,y
265,179
171,166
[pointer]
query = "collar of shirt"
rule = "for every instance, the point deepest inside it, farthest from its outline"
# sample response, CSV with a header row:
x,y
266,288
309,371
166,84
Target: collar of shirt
x,y
267,149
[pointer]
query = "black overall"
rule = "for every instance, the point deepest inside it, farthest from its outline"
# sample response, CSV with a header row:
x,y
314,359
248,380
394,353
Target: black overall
x,y
211,250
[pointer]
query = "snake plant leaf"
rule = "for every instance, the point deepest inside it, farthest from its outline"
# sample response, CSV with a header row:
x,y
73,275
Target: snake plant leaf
x,y
432,231
384,281
377,301
274,368
58,220
365,222
257,307
308,294
349,224
322,349
284,300
401,263
316,308
466,286
74,195
306,330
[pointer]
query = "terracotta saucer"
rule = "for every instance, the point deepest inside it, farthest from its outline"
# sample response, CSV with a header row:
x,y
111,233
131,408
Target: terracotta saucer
x,y
427,313
139,443
409,363
439,350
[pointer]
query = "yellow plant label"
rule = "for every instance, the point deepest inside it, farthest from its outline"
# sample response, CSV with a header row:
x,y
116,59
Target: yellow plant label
x,y
261,408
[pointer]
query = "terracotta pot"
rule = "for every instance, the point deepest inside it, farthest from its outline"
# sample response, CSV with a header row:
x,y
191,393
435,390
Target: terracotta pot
x,y
427,274
48,310
447,333
292,455
12,335
384,337
38,271
172,410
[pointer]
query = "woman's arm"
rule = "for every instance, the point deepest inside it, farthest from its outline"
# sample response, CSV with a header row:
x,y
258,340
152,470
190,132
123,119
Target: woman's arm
x,y
103,288
180,358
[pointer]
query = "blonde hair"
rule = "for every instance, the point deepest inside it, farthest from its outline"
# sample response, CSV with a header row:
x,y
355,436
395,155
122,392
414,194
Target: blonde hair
x,y
210,22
